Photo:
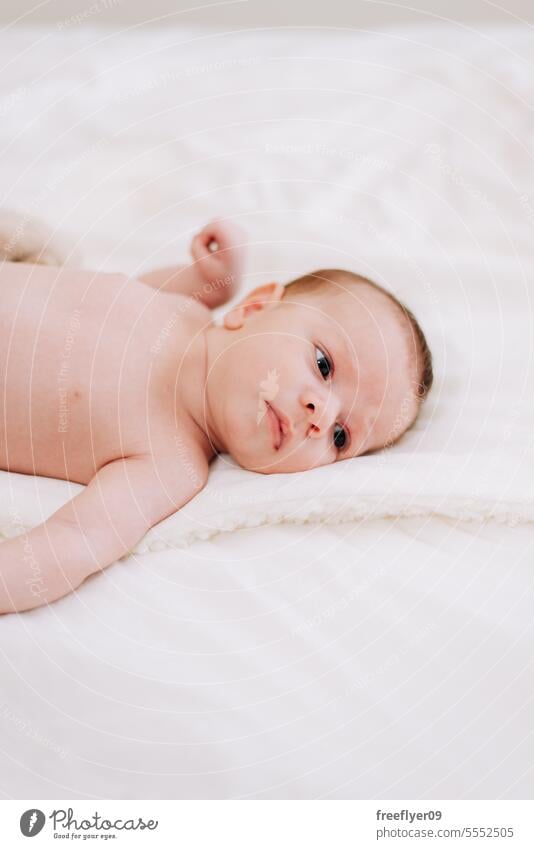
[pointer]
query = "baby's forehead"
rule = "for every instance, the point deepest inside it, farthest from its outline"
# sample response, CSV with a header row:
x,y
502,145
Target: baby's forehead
x,y
362,321
358,307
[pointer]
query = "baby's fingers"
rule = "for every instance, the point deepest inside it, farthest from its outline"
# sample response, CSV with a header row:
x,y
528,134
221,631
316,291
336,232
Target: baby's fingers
x,y
226,234
219,250
210,263
223,236
200,246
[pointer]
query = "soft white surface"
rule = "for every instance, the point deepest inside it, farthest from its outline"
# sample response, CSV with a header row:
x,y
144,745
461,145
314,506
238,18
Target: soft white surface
x,y
385,659
470,456
381,658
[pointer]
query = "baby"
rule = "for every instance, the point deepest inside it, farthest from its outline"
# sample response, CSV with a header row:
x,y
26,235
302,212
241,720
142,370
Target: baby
x,y
129,386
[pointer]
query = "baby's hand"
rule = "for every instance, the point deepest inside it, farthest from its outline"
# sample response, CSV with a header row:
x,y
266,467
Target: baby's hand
x,y
219,253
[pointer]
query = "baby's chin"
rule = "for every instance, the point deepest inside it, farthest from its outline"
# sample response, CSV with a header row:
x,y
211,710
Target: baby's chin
x,y
272,464
260,465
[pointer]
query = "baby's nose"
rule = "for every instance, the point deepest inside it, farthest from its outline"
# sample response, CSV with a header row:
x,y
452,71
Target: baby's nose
x,y
319,418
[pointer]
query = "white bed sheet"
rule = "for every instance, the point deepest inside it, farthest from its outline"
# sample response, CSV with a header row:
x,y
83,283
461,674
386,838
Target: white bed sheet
x,y
381,660
376,658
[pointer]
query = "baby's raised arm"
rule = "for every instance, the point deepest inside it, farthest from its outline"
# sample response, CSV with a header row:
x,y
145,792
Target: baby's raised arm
x,y
101,524
214,276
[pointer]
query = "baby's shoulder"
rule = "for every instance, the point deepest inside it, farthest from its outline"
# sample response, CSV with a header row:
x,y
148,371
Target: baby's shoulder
x,y
193,313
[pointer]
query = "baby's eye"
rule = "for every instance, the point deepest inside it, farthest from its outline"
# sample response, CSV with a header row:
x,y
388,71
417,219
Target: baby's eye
x,y
323,363
340,436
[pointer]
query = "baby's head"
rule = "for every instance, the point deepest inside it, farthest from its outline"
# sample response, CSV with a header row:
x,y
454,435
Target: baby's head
x,y
340,363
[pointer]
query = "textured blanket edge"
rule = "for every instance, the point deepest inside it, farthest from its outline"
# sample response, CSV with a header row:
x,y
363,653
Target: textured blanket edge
x,y
461,509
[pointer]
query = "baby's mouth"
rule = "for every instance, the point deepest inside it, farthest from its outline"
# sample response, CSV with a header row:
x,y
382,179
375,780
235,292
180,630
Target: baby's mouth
x,y
274,426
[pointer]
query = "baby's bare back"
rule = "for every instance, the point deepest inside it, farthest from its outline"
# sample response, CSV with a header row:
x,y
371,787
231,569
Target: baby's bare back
x,y
86,361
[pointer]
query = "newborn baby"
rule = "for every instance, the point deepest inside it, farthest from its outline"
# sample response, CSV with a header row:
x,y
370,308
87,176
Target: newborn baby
x,y
128,385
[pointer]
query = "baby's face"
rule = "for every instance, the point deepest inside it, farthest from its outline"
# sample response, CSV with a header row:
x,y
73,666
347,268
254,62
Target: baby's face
x,y
330,371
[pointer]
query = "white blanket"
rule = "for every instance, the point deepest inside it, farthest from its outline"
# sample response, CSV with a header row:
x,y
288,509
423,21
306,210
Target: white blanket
x,y
384,659
389,658
470,456
414,177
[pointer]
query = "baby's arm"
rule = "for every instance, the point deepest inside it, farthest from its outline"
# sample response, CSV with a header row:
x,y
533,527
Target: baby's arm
x,y
215,275
100,525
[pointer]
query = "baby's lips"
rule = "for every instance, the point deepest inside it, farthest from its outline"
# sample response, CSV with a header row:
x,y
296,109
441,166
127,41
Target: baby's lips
x,y
286,425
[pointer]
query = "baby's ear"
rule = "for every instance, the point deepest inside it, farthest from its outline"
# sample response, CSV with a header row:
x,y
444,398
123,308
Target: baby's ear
x,y
261,298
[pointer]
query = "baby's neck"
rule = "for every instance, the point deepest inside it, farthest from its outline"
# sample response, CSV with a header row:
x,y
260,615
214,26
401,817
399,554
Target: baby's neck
x,y
195,387
215,343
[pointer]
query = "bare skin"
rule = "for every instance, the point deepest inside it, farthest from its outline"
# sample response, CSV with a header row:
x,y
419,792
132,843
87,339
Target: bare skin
x,y
130,387
89,394
334,368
